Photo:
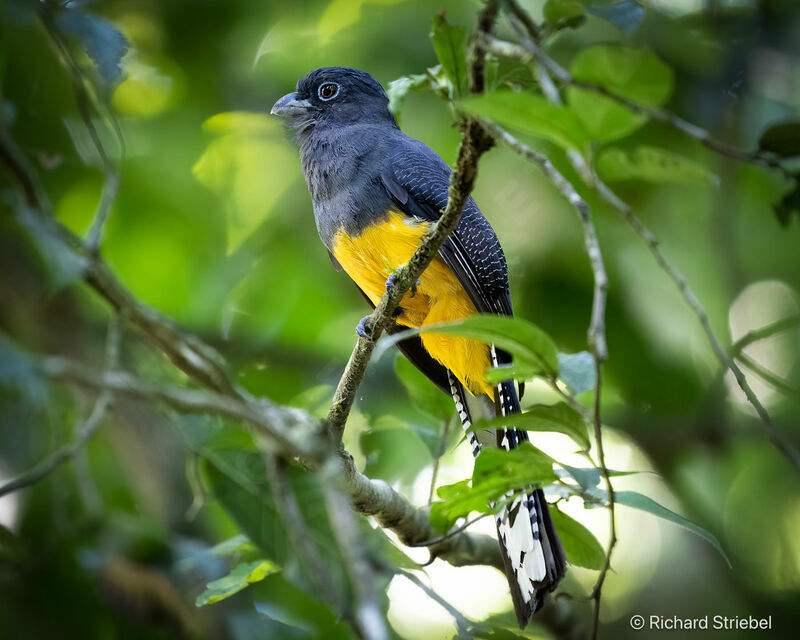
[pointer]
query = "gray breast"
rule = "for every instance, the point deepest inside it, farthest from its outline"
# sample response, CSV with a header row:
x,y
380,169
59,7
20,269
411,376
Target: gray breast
x,y
342,169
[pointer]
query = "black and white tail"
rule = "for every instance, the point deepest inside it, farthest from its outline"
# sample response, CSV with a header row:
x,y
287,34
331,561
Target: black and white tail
x,y
532,553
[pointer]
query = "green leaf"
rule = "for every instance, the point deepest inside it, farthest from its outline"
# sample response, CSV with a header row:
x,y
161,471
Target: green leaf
x,y
652,165
531,114
636,74
580,545
643,503
427,397
496,472
243,575
398,89
541,417
577,371
512,371
450,45
528,344
782,139
564,13
340,14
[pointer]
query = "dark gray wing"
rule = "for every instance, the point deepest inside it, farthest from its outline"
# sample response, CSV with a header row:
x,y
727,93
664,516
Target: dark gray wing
x,y
417,180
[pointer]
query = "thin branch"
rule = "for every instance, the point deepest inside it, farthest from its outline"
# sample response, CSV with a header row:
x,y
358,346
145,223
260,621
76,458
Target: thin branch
x,y
766,375
85,431
463,623
532,50
450,534
762,333
437,459
623,209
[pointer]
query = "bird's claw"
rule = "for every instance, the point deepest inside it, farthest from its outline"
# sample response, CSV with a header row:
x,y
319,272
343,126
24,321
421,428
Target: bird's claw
x,y
392,279
363,329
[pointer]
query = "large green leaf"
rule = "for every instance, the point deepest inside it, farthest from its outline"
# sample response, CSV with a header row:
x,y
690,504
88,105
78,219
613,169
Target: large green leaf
x,y
531,114
580,545
243,575
636,74
558,417
564,13
528,344
652,165
450,44
643,503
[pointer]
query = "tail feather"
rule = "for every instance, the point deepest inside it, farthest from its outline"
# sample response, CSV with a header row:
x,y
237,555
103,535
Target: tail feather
x,y
533,555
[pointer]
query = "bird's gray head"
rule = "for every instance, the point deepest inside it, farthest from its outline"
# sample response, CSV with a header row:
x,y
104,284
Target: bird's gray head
x,y
333,96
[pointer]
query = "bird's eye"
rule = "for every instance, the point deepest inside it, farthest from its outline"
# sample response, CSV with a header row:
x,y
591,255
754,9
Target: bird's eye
x,y
328,91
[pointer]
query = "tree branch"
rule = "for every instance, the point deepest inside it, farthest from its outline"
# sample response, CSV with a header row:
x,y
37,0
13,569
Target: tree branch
x,y
530,50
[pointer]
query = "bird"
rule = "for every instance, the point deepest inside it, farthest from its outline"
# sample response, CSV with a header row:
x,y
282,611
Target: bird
x,y
375,192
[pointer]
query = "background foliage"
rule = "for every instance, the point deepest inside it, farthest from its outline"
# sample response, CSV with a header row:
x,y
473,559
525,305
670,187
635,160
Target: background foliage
x,y
212,225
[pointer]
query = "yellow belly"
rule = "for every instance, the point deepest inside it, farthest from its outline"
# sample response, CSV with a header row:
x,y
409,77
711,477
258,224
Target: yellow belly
x,y
383,247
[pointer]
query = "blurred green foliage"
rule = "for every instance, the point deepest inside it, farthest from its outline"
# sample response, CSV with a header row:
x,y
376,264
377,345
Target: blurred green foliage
x,y
213,227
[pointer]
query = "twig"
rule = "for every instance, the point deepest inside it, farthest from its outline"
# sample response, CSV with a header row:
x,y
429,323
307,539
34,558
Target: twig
x,y
531,49
777,439
85,431
765,374
463,623
449,534
762,333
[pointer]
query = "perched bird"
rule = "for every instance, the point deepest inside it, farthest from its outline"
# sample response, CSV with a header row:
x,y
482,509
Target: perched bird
x,y
375,193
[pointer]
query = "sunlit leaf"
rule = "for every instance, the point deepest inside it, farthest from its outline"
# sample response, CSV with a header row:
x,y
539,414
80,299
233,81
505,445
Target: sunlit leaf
x,y
636,74
652,165
243,575
559,417
577,371
580,545
531,114
450,45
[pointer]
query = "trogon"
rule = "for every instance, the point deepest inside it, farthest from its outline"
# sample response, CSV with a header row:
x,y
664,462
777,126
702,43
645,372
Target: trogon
x,y
375,193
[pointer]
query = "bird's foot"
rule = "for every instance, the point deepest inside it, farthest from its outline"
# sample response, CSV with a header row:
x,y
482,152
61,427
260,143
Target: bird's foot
x,y
364,327
392,279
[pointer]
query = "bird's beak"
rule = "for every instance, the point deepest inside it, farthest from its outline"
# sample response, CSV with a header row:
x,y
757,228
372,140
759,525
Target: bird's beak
x,y
289,105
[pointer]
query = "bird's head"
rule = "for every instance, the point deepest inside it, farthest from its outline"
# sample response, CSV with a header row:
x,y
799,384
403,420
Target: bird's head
x,y
334,96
